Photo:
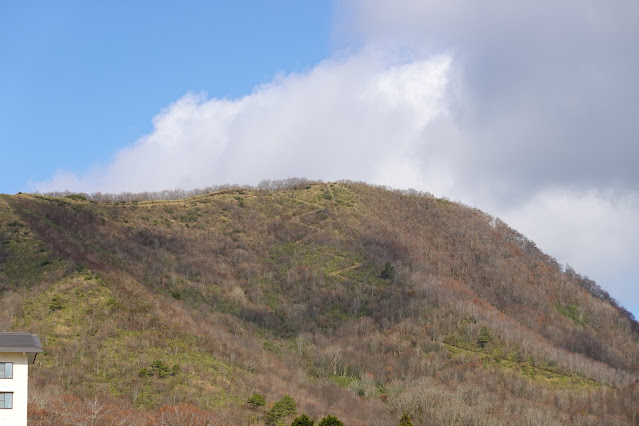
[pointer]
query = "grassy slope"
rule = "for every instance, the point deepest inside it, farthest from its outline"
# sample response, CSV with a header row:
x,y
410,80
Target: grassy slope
x,y
280,292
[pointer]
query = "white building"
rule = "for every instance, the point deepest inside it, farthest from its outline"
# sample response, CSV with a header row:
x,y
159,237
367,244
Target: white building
x,y
17,351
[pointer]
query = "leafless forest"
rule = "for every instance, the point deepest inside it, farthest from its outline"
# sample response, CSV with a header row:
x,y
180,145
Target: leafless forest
x,y
359,302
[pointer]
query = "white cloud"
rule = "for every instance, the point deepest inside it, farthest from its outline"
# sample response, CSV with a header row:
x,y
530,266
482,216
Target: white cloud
x,y
359,118
595,232
608,223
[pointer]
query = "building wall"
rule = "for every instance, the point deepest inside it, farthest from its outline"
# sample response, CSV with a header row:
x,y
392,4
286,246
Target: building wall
x,y
16,416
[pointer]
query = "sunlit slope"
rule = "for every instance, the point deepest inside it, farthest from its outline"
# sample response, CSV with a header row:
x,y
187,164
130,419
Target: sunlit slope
x,y
359,301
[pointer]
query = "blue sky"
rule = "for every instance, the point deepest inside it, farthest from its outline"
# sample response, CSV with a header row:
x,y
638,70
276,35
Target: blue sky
x,y
524,110
80,80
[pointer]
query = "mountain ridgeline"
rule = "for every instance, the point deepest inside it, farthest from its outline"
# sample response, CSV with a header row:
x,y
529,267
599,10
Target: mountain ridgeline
x,y
363,303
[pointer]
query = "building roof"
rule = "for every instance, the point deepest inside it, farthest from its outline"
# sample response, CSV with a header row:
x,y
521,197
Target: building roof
x,y
20,342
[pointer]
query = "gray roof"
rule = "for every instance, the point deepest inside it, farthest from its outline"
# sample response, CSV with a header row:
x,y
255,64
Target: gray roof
x,y
20,342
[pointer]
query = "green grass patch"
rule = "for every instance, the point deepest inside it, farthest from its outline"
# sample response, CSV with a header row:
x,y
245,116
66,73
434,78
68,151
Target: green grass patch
x,y
573,313
544,372
86,336
343,381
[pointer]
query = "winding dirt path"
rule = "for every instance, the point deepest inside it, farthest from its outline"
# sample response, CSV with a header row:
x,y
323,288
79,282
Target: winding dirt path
x,y
318,208
348,268
330,191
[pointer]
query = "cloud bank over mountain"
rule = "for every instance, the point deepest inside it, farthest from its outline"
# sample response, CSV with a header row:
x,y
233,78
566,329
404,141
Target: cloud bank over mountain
x,y
526,111
358,118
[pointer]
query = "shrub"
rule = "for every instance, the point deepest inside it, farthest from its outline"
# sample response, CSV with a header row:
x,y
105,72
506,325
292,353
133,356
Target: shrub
x,y
405,421
160,370
77,197
56,304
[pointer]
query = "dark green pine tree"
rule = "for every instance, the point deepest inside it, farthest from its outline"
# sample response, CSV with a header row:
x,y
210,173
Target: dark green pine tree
x,y
303,420
330,421
388,271
484,336
283,408
256,400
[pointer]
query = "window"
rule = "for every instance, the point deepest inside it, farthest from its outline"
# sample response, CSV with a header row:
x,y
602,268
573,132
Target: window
x,y
6,370
6,400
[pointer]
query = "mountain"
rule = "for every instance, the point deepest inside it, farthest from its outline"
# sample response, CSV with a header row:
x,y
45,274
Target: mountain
x,y
358,301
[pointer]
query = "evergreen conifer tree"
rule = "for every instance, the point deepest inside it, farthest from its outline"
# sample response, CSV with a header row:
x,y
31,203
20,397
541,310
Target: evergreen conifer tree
x,y
256,400
289,405
283,408
303,420
484,336
330,421
388,271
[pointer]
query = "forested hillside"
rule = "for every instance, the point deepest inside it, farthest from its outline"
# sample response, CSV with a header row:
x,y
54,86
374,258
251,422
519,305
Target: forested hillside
x,y
359,302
